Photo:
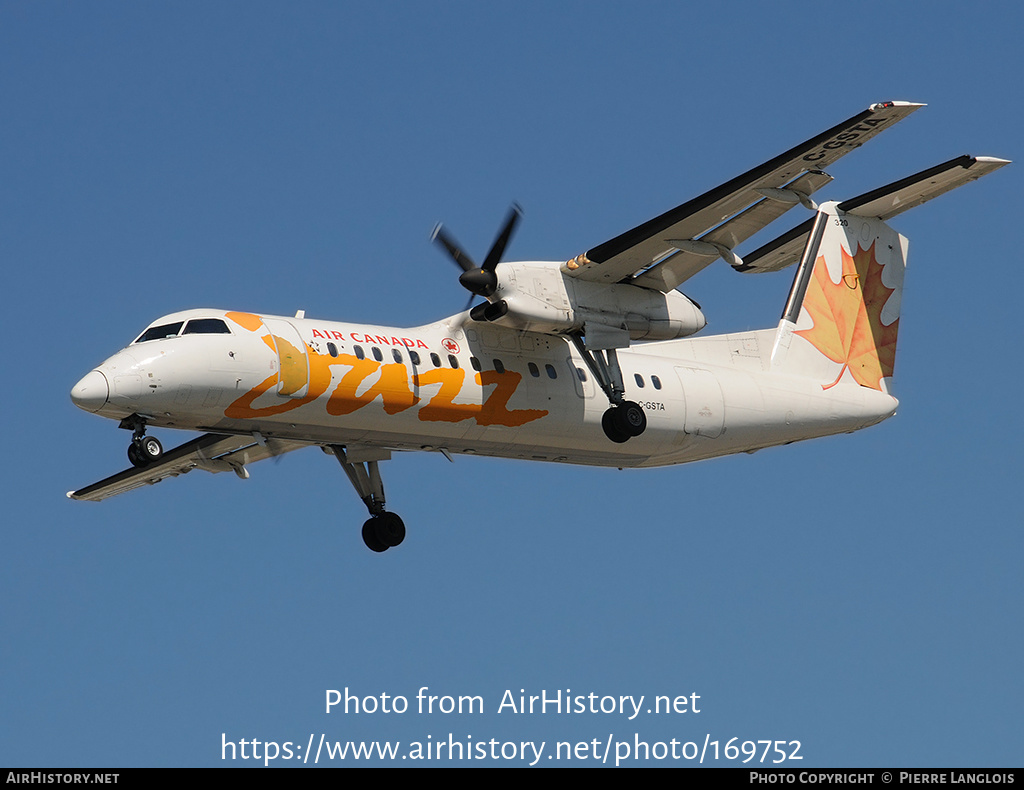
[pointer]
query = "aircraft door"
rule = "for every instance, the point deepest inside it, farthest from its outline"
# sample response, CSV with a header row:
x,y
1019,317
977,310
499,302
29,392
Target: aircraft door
x,y
705,406
292,357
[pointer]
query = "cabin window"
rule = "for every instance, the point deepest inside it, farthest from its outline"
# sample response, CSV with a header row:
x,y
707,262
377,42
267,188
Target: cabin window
x,y
435,359
377,354
160,332
332,349
414,357
360,354
396,355
639,380
475,363
581,373
656,382
552,374
499,367
534,371
206,326
453,362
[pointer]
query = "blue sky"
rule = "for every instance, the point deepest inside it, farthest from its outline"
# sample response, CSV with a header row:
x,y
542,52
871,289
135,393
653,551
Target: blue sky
x,y
861,594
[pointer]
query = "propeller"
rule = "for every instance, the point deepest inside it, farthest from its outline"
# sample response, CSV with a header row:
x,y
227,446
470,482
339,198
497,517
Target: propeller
x,y
479,280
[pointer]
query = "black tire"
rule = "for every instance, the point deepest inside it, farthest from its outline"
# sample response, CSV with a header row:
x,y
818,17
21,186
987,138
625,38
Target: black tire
x,y
136,457
373,543
630,418
389,529
150,448
611,428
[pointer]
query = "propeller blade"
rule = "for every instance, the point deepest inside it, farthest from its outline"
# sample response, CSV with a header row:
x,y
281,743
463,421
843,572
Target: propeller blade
x,y
483,280
442,237
498,248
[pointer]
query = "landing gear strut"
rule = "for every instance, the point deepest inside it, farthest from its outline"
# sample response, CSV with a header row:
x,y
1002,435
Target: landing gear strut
x,y
143,450
382,530
624,419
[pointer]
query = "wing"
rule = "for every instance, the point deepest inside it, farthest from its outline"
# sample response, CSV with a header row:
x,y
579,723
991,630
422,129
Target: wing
x,y
667,250
212,452
884,203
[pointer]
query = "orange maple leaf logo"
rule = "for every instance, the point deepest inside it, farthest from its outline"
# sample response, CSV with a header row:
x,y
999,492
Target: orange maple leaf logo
x,y
848,318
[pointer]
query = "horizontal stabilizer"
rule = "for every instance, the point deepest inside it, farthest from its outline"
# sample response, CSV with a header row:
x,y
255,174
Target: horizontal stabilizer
x,y
212,452
882,203
888,201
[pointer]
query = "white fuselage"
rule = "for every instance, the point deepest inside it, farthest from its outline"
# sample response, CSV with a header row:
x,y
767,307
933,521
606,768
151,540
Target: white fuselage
x,y
467,387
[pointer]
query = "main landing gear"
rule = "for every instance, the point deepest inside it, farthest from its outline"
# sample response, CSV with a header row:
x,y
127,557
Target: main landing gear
x,y
624,419
383,530
143,449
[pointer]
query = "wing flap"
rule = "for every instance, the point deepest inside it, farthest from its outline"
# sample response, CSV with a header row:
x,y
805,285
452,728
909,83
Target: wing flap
x,y
639,248
676,269
212,452
884,203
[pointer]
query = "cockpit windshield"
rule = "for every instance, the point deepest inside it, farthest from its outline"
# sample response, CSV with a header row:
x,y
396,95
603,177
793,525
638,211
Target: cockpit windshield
x,y
196,326
160,332
206,326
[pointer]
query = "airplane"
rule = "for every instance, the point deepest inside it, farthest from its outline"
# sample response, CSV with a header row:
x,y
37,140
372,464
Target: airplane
x,y
583,361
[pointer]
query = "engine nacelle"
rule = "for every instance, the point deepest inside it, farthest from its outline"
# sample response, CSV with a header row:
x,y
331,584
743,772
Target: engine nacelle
x,y
538,297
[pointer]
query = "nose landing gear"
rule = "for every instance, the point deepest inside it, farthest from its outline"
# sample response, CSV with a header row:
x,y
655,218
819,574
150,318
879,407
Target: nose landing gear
x,y
143,449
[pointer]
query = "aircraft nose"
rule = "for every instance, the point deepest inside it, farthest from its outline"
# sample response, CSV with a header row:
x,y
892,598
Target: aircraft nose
x,y
91,392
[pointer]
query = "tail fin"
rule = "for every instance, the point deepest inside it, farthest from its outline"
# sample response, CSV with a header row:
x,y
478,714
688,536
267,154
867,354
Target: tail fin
x,y
842,315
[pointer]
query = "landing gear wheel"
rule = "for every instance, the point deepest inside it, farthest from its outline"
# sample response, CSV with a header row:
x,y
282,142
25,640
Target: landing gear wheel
x,y
150,448
389,529
611,428
373,543
136,457
630,418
